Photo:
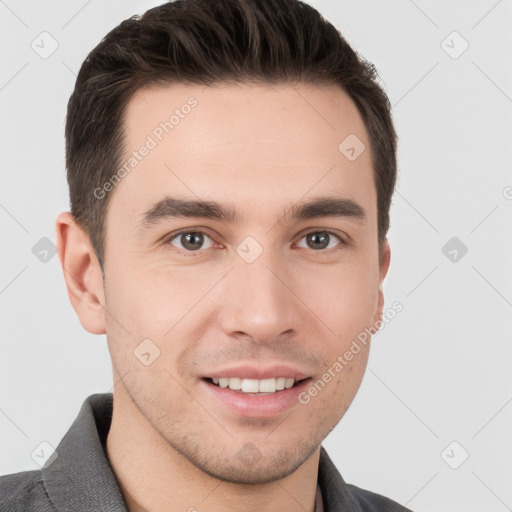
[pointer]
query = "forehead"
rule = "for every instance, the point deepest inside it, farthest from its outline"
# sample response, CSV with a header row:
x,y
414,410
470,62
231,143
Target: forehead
x,y
248,142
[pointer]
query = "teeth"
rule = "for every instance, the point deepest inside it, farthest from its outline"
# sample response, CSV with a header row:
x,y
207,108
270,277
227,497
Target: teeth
x,y
235,383
255,386
249,386
267,386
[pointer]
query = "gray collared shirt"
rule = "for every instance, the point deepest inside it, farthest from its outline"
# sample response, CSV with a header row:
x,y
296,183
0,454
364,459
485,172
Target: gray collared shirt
x,y
79,477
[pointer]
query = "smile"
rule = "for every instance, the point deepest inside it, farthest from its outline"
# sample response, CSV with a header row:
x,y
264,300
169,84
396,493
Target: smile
x,y
255,386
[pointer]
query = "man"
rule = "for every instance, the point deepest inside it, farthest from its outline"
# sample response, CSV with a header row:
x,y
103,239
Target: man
x,y
231,165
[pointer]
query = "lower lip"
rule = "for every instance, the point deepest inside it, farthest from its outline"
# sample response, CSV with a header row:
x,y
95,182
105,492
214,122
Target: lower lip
x,y
256,406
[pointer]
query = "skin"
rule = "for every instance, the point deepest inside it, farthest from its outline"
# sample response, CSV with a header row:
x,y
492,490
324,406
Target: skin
x,y
258,149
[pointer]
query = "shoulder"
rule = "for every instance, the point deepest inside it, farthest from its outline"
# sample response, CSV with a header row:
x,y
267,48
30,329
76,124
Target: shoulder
x,y
373,502
24,492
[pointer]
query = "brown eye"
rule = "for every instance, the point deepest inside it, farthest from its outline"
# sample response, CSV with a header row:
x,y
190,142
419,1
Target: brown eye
x,y
191,241
319,240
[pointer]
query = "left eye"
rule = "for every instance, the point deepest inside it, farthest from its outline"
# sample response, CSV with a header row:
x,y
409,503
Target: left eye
x,y
318,240
191,241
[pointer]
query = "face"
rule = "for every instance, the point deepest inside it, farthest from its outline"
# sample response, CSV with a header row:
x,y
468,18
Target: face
x,y
242,248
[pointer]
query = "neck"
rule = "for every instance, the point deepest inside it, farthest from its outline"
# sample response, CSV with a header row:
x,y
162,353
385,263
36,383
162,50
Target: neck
x,y
154,477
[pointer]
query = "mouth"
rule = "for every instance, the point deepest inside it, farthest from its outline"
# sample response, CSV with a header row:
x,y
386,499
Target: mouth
x,y
256,387
249,391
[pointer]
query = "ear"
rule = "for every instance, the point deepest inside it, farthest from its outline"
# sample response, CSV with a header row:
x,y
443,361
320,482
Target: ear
x,y
383,270
82,273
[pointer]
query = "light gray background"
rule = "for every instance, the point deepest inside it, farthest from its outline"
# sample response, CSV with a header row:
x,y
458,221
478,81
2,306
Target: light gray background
x,y
439,372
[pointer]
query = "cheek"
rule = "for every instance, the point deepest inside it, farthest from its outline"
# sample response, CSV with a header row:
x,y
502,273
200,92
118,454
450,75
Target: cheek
x,y
345,300
331,394
150,300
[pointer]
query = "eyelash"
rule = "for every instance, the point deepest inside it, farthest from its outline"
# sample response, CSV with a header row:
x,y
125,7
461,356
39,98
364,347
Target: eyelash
x,y
169,239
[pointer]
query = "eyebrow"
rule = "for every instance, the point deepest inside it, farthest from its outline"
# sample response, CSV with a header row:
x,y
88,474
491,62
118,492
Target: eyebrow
x,y
326,207
173,207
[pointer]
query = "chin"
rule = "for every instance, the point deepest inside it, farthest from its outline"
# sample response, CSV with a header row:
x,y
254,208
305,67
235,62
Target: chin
x,y
249,465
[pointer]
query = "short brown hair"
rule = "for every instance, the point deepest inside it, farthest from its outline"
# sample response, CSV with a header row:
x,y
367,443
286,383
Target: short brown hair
x,y
207,42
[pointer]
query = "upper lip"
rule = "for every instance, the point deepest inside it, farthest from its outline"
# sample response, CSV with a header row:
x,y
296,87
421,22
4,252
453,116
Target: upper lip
x,y
258,372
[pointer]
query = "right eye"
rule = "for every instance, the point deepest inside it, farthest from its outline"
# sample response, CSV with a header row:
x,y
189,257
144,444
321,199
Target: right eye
x,y
191,241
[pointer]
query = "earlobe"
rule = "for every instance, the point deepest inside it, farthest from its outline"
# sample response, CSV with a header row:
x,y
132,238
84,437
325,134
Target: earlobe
x,y
82,273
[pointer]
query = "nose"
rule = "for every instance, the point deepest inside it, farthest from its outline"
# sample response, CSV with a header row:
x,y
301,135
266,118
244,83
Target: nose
x,y
259,301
